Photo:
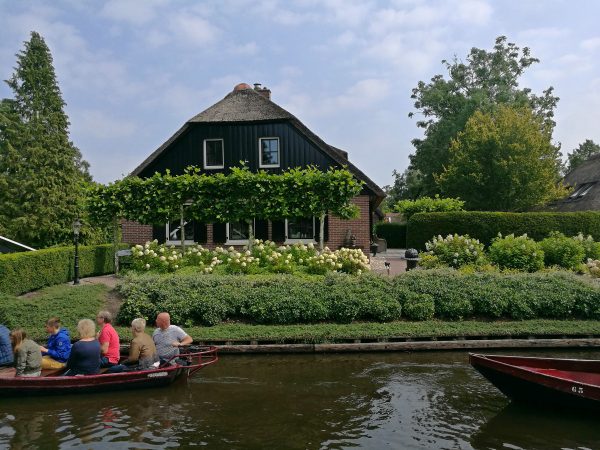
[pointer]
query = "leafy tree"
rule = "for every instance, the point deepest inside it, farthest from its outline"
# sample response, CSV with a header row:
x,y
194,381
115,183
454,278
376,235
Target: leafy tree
x,y
407,186
503,160
485,80
427,204
41,171
581,153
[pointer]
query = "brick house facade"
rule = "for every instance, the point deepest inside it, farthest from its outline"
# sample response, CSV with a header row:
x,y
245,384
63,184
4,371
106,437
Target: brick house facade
x,y
247,126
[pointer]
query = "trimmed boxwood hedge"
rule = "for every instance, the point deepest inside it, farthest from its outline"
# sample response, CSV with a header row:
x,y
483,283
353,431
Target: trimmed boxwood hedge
x,y
393,233
485,226
27,271
194,299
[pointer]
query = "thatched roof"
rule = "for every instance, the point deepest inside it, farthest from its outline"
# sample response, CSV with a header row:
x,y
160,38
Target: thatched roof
x,y
248,105
585,181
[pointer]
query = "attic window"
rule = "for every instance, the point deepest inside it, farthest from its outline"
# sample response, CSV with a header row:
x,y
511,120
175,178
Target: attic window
x,y
582,190
213,154
268,152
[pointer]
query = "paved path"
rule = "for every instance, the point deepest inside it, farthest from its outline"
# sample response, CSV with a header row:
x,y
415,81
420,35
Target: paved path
x,y
394,257
107,280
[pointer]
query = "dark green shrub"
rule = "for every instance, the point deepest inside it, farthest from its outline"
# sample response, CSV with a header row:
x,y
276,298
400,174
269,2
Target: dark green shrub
x,y
517,253
418,306
563,251
393,233
485,226
28,271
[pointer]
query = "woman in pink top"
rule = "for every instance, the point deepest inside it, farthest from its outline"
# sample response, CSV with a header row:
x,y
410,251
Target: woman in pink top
x,y
109,340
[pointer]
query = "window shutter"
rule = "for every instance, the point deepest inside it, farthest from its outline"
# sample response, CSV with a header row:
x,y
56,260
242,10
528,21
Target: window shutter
x,y
219,233
200,232
261,229
278,228
159,232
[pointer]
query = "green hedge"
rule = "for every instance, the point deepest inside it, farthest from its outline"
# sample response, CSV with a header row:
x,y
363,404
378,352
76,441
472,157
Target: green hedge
x,y
27,271
393,233
194,299
485,226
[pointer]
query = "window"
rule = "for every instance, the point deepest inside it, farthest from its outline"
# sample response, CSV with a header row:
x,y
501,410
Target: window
x,y
174,232
269,152
238,232
581,190
213,154
300,230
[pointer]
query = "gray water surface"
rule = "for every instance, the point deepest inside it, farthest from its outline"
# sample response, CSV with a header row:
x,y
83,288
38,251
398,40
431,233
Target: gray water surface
x,y
374,401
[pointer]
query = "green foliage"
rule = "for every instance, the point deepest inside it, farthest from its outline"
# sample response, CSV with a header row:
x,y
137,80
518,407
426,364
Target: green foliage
x,y
42,173
503,160
69,303
418,306
27,271
563,251
485,80
517,253
485,226
393,233
427,204
584,151
456,251
407,186
590,246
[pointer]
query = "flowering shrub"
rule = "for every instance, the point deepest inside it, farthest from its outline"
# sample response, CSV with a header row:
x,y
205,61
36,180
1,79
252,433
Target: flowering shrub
x,y
456,251
591,247
265,256
593,266
563,251
518,253
152,256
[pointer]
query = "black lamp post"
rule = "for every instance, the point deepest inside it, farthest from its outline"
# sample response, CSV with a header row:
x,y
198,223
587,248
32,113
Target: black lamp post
x,y
76,228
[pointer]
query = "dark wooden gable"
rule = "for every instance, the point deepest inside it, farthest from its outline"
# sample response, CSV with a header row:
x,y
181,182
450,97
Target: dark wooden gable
x,y
240,142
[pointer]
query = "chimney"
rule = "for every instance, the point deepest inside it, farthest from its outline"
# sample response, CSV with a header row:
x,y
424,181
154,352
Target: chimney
x,y
264,91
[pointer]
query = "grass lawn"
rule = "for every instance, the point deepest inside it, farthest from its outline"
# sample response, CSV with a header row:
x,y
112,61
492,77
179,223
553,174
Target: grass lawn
x,y
73,303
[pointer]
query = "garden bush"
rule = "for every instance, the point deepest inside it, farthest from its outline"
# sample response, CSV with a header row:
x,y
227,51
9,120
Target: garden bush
x,y
590,246
393,233
563,251
409,208
28,271
517,253
456,251
448,294
485,226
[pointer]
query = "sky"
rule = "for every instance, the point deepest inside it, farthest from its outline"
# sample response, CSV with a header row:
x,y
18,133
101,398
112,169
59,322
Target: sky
x,y
132,72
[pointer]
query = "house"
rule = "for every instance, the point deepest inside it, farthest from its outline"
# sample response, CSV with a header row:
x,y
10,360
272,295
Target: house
x,y
247,126
9,246
585,181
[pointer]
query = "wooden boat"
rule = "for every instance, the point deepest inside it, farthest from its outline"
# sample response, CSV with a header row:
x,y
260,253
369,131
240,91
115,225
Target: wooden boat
x,y
52,381
564,382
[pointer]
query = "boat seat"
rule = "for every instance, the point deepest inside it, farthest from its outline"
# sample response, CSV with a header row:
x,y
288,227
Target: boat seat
x,y
52,372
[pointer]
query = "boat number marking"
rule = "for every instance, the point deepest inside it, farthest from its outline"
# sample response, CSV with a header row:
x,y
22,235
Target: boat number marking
x,y
577,390
157,374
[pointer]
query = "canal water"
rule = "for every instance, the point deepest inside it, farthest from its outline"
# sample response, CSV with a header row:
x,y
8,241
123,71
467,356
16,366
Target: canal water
x,y
373,401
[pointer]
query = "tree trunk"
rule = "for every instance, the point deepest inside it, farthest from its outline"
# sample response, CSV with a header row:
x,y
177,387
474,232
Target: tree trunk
x,y
182,231
250,234
322,231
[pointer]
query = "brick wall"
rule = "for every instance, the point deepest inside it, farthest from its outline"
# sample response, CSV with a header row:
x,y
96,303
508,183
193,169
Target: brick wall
x,y
135,233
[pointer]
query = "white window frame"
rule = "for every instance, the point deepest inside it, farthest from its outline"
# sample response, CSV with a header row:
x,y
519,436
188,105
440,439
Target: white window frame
x,y
237,241
222,166
301,241
170,242
268,166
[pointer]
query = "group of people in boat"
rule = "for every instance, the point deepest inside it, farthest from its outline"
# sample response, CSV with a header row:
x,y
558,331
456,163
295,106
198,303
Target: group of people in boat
x,y
94,350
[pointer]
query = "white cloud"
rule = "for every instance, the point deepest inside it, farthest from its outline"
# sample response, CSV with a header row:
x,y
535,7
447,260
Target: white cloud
x,y
101,125
134,12
192,30
591,44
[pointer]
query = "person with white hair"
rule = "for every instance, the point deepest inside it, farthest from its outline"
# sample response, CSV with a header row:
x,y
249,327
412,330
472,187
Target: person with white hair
x,y
142,351
85,353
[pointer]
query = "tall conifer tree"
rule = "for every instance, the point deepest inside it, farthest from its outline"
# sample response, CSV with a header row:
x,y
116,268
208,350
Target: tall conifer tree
x,y
41,171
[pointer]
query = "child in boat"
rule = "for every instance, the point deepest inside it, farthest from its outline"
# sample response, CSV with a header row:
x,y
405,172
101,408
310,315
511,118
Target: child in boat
x,y
57,351
28,359
85,354
142,352
6,353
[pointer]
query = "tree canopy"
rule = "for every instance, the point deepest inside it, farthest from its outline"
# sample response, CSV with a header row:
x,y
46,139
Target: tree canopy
x,y
41,171
585,150
503,160
487,79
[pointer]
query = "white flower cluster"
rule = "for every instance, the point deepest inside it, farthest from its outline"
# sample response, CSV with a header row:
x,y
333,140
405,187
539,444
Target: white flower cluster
x,y
593,266
455,250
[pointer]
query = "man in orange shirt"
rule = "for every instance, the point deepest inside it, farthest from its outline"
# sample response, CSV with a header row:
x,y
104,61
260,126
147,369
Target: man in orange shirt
x,y
109,340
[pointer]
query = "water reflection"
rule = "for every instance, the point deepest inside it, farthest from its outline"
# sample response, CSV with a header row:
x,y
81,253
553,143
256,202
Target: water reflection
x,y
408,401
